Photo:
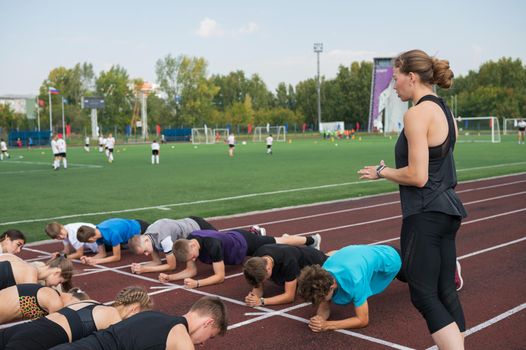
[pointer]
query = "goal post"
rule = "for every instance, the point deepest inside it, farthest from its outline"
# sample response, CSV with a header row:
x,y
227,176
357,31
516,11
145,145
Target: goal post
x,y
279,133
202,136
478,129
220,134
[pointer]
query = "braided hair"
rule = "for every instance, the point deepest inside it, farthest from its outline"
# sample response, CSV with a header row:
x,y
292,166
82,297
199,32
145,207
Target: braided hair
x,y
134,294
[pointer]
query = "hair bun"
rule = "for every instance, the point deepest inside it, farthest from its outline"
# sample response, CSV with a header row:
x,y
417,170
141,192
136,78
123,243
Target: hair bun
x,y
442,74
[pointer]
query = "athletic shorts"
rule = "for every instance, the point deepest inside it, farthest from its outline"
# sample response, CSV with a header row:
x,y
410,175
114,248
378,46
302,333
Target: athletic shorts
x,y
63,154
255,241
231,146
522,129
155,152
110,150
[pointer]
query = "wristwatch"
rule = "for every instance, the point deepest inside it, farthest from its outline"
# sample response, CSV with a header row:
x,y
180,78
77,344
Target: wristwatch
x,y
379,169
262,300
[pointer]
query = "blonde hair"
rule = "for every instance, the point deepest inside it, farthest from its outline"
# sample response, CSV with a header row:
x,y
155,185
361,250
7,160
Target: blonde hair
x,y
53,229
181,249
133,294
431,70
135,243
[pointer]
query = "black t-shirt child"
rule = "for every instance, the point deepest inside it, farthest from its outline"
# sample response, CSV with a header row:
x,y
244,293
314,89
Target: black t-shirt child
x,y
289,260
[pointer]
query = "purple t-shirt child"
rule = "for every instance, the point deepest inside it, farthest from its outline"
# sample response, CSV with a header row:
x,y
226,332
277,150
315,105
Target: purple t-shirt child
x,y
227,246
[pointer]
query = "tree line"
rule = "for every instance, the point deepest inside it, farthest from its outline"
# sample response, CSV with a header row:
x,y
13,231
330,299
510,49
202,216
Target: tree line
x,y
188,96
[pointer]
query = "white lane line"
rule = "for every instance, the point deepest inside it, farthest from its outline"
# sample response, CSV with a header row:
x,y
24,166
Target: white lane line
x,y
492,248
204,201
489,322
269,312
391,203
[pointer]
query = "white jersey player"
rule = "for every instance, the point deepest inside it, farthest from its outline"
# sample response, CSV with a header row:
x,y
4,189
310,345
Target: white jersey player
x,y
3,150
155,152
270,139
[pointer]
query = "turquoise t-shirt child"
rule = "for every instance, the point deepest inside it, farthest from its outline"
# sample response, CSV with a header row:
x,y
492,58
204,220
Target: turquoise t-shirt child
x,y
361,271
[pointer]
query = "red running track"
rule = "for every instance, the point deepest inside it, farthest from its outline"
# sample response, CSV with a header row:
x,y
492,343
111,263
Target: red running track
x,y
491,245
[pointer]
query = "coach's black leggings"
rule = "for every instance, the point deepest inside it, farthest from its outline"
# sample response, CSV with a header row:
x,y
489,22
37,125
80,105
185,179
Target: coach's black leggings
x,y
429,262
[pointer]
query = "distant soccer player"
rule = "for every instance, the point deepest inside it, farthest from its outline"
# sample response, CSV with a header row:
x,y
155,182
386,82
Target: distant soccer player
x,y
55,151
3,150
110,143
86,144
155,152
61,147
101,143
521,125
231,144
270,139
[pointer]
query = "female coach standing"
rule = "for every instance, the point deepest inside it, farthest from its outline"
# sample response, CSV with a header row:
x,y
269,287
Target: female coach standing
x,y
432,212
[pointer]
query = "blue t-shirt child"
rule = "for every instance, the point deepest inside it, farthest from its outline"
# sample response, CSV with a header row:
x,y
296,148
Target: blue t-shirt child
x,y
117,231
362,271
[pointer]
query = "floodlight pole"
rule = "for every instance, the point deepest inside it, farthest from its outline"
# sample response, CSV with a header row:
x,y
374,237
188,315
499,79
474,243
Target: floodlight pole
x,y
318,48
63,126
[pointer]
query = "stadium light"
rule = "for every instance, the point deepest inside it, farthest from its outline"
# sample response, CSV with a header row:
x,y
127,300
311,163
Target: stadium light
x,y
318,48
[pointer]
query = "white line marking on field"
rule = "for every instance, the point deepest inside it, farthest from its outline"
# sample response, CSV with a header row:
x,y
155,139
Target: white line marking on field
x,y
489,322
163,208
204,201
50,163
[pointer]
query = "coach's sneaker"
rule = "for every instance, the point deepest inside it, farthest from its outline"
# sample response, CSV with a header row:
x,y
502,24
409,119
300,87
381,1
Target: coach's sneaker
x,y
317,241
260,231
459,282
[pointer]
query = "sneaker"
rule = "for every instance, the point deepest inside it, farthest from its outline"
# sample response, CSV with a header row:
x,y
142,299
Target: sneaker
x,y
459,282
260,231
317,241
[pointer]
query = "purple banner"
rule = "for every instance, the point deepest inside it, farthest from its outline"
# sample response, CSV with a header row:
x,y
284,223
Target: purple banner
x,y
382,75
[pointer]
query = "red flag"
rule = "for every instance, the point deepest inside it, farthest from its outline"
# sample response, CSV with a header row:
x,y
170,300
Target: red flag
x,y
158,129
68,130
41,103
250,128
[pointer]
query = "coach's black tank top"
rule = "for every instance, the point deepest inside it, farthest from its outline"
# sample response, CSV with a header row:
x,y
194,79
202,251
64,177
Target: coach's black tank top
x,y
438,194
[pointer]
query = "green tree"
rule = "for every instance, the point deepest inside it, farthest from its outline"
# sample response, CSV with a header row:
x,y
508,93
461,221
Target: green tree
x,y
114,86
189,93
232,88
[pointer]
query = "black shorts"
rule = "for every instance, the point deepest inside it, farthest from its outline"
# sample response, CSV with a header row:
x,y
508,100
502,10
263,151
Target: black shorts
x,y
155,152
522,129
87,144
56,154
39,334
255,241
144,225
62,154
231,146
110,150
203,224
269,146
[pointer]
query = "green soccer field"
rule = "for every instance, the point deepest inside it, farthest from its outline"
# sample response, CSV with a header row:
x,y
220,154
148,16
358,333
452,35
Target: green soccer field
x,y
204,181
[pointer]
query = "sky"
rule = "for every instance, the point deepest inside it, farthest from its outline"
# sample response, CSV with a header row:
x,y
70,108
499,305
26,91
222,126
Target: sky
x,y
271,38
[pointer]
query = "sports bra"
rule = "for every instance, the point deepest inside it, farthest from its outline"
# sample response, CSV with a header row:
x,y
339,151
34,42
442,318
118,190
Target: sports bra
x,y
80,321
27,296
7,279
